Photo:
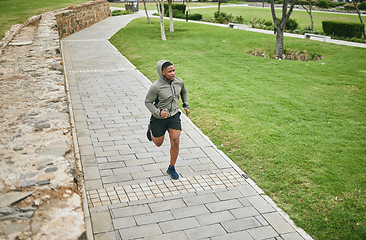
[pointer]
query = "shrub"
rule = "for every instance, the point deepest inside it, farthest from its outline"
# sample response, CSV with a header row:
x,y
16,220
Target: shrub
x,y
176,14
332,4
302,2
196,17
121,12
362,6
220,17
322,4
307,30
338,4
349,6
343,29
239,19
268,23
180,7
229,17
291,24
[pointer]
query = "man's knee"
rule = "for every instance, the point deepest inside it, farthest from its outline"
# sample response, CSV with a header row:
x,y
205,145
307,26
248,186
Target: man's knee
x,y
158,141
175,142
158,144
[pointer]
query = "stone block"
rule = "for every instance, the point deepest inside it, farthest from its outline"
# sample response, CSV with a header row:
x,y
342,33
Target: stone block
x,y
125,222
169,236
167,205
154,218
91,173
216,217
178,225
101,222
242,235
130,211
232,194
223,205
263,232
278,223
7,199
260,204
241,224
291,236
247,190
245,212
140,231
106,235
205,232
189,211
201,199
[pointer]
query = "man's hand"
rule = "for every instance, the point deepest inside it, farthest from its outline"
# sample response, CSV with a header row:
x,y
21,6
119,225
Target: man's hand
x,y
187,111
164,113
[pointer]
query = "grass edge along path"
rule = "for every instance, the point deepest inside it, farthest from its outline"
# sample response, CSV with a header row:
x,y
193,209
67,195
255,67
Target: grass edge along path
x,y
296,128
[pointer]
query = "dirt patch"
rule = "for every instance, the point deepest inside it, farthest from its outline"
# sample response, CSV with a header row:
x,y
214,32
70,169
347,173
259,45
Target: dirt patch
x,y
288,55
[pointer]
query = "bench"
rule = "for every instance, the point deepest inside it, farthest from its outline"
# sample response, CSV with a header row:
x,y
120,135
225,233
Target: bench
x,y
238,26
326,38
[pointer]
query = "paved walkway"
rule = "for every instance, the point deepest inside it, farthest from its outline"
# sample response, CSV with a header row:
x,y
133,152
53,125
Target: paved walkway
x,y
128,194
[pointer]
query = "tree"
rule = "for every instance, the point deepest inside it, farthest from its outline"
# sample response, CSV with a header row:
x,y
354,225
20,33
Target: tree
x,y
147,15
309,12
359,15
161,14
219,5
280,25
171,26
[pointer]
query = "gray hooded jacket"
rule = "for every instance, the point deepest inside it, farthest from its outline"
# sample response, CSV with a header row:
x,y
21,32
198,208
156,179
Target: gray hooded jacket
x,y
165,95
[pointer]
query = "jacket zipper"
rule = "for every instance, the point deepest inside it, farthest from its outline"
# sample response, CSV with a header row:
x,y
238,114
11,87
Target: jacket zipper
x,y
172,89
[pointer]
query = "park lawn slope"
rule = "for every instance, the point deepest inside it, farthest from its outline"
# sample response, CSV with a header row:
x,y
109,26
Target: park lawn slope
x,y
296,128
18,11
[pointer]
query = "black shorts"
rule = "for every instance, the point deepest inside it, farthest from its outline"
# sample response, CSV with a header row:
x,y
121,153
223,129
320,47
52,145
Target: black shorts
x,y
160,126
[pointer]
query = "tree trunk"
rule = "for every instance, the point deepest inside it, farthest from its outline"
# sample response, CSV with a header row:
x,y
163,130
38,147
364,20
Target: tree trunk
x,y
310,13
279,43
171,26
147,15
359,15
161,14
280,26
218,9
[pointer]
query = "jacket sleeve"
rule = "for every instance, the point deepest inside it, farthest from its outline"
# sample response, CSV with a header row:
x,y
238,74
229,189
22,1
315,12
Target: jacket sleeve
x,y
151,97
184,96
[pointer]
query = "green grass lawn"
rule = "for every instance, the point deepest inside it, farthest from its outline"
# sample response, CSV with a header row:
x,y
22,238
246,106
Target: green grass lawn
x,y
302,17
296,128
18,11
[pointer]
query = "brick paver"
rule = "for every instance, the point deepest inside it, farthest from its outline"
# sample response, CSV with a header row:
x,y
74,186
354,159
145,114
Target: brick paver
x,y
128,194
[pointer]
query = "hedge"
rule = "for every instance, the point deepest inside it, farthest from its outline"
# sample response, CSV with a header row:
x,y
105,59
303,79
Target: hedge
x,y
180,7
362,6
343,29
177,6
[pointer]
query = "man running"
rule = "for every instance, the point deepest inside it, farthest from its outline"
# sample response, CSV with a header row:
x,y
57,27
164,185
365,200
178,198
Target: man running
x,y
162,101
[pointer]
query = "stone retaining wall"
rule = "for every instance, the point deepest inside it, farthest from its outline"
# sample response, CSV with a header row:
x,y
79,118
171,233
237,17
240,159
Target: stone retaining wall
x,y
81,16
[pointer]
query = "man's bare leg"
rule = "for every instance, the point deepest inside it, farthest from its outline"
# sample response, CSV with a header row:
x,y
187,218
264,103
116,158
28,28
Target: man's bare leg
x,y
157,140
174,145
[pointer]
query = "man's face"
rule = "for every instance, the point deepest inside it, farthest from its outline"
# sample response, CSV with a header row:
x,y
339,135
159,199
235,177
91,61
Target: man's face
x,y
169,72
